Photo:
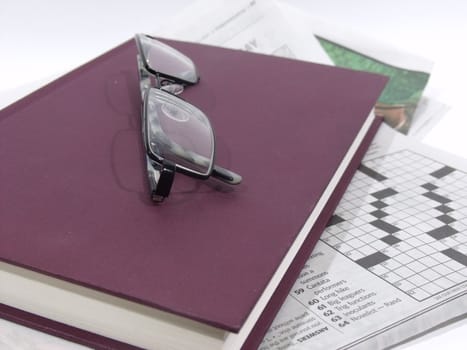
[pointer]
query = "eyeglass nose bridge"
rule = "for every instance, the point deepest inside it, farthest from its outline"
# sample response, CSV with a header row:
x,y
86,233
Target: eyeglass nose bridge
x,y
172,88
148,80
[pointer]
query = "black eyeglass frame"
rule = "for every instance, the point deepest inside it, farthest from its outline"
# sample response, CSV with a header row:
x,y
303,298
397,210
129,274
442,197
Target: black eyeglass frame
x,y
161,171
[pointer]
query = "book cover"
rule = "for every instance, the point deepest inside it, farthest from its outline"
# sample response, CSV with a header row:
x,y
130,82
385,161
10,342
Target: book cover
x,y
255,336
74,201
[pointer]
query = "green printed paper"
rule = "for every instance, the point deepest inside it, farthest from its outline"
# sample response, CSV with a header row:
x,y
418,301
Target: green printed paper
x,y
399,99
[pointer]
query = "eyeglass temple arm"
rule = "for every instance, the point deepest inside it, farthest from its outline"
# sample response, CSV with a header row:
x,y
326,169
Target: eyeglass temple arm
x,y
226,175
218,172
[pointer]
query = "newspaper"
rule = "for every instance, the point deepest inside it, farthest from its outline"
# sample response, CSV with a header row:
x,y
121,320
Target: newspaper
x,y
252,25
276,28
392,262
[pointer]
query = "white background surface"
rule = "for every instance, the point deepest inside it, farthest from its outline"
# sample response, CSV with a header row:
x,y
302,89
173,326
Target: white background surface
x,y
40,40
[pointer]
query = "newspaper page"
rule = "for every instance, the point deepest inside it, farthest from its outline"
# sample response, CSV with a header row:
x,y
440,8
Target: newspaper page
x,y
393,260
251,25
276,28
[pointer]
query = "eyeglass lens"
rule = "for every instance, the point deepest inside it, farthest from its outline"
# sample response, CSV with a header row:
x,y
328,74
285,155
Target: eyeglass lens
x,y
162,58
179,132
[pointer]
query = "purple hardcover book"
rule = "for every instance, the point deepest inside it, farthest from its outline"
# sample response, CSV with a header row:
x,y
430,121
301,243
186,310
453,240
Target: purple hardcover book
x,y
86,255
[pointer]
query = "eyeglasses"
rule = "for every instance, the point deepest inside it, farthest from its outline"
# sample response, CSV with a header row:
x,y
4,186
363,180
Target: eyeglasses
x,y
178,137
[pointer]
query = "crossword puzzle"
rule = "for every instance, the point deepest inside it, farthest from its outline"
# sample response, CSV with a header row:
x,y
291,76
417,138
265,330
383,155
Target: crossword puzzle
x,y
404,218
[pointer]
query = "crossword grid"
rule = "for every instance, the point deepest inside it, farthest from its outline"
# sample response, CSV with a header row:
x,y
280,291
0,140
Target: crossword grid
x,y
404,218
